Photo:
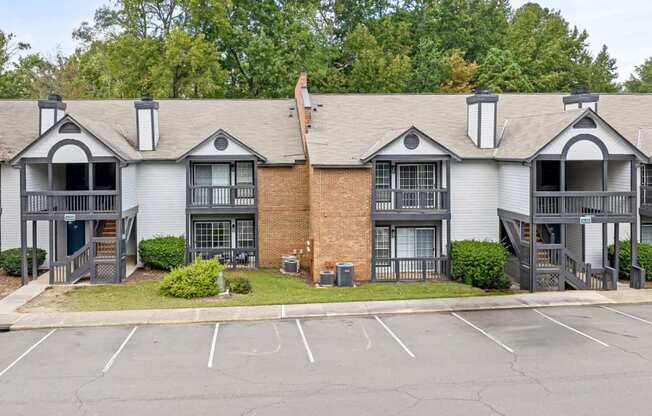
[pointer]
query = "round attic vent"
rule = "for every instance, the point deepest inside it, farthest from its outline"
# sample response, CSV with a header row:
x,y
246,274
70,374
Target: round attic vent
x,y
221,143
411,141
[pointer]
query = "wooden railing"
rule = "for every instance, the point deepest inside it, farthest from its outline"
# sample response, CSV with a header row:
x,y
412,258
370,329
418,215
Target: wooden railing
x,y
77,202
410,268
222,196
599,204
72,267
233,258
405,200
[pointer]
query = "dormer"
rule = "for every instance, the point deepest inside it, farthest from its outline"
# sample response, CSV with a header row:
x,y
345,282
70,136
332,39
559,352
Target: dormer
x,y
147,126
50,112
581,98
482,108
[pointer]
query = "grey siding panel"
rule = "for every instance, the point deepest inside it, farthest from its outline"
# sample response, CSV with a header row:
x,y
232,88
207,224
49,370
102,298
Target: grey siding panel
x,y
161,191
474,200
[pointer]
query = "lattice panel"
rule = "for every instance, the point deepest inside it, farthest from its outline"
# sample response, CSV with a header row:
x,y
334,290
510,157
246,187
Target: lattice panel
x,y
548,281
104,273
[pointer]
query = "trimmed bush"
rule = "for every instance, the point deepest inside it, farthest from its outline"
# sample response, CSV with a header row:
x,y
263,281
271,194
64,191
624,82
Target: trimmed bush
x,y
625,265
195,280
10,260
480,263
162,252
239,285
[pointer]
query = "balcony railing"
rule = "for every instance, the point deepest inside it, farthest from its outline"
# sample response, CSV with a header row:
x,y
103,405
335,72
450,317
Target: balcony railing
x,y
410,268
406,200
222,196
232,258
599,204
76,202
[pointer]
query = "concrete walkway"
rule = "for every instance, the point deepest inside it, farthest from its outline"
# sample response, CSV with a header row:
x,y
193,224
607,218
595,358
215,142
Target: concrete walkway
x,y
10,303
18,321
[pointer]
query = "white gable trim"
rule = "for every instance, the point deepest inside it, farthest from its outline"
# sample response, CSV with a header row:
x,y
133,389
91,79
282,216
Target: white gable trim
x,y
234,148
426,146
612,141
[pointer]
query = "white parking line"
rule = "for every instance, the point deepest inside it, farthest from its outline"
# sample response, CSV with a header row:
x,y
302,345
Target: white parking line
x,y
305,343
108,365
212,354
23,355
485,333
578,332
390,332
627,315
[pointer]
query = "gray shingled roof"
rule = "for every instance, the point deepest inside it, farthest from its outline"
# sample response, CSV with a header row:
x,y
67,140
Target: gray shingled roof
x,y
346,126
263,125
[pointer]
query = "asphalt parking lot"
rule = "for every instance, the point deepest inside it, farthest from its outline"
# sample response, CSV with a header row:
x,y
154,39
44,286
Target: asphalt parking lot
x,y
554,361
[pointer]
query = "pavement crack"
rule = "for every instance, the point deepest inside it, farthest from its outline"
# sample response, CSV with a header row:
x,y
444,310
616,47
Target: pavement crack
x,y
81,404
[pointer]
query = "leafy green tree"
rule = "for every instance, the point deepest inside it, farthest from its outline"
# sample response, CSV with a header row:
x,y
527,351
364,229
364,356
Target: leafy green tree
x,y
604,72
551,55
459,74
500,72
641,80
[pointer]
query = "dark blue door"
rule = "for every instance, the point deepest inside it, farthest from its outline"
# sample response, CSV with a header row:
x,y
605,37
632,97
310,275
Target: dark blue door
x,y
76,236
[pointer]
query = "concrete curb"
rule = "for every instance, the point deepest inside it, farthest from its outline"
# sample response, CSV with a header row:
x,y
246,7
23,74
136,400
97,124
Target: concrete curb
x,y
22,321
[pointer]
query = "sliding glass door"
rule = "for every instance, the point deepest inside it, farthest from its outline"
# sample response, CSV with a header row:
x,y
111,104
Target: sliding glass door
x,y
213,181
417,177
415,242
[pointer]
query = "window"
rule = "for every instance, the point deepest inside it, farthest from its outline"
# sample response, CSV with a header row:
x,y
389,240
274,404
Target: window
x,y
383,181
212,179
383,246
646,233
245,234
415,242
213,234
418,177
244,175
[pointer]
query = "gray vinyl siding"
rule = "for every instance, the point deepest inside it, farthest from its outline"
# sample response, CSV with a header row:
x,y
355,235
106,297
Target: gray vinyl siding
x,y
161,188
514,187
474,200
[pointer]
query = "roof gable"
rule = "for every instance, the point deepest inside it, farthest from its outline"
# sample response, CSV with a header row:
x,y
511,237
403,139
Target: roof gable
x,y
410,142
614,143
40,147
221,144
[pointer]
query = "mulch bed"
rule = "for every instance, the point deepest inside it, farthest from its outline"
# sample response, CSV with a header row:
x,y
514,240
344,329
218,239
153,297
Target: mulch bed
x,y
144,274
8,284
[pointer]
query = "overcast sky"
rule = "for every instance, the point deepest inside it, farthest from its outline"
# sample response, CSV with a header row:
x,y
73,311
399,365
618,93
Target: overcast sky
x,y
625,25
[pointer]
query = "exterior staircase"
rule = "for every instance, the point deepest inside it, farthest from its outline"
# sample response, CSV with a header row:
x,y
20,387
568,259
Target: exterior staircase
x,y
107,229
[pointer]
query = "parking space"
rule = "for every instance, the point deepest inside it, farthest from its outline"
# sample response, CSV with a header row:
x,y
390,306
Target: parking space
x,y
468,363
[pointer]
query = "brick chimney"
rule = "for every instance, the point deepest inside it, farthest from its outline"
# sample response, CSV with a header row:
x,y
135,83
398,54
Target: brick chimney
x,y
304,107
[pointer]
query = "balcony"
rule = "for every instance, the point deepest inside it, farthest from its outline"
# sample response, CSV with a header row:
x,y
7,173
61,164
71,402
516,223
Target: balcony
x,y
233,198
569,206
411,202
84,204
410,269
231,258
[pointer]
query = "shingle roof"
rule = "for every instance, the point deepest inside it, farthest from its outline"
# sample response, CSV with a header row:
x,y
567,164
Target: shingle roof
x,y
264,125
346,126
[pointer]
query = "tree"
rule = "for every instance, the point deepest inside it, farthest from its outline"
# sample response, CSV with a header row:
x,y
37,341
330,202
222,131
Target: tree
x,y
603,73
641,80
459,74
551,55
500,72
371,68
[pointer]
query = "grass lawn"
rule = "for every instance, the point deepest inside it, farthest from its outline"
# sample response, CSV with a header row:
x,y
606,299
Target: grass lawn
x,y
269,288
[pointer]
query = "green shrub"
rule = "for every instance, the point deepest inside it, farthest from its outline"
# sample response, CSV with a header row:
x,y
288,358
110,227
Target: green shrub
x,y
239,285
480,263
10,260
625,265
197,279
162,252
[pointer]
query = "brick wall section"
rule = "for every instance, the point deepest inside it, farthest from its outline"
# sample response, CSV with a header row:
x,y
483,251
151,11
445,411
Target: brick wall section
x,y
340,218
283,212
